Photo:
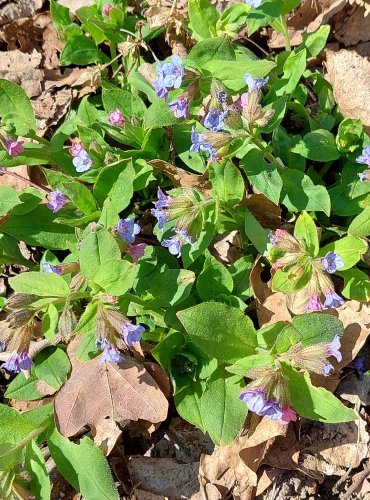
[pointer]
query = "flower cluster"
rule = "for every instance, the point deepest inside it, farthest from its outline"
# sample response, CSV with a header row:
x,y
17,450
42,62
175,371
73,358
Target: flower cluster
x,y
17,362
128,229
116,117
260,403
81,159
170,76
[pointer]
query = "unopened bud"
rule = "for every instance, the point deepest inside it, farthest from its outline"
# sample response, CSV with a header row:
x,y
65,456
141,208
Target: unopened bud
x,y
17,319
19,300
116,319
76,282
265,118
67,323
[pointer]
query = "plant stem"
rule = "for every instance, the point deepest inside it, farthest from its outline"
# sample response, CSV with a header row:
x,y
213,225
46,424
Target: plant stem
x,y
17,176
285,33
268,155
36,137
113,54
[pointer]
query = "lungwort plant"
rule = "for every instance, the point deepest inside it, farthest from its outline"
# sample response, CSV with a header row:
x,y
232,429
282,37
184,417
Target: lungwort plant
x,y
140,179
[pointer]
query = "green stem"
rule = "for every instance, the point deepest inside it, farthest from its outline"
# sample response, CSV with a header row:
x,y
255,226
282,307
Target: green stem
x,y
113,54
268,155
285,33
36,137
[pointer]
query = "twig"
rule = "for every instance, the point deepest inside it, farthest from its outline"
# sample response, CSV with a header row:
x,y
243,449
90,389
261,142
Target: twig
x,y
357,483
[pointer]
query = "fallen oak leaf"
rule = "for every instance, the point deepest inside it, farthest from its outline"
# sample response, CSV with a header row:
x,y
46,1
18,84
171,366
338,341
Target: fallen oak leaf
x,y
182,178
95,393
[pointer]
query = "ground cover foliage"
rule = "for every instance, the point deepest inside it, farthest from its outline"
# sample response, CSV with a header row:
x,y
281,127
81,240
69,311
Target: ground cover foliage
x,y
192,242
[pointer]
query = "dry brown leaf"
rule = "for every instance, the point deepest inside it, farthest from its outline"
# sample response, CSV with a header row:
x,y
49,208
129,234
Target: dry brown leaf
x,y
355,390
74,5
73,77
163,476
227,247
265,211
50,107
106,434
44,389
269,474
110,391
355,28
18,8
182,178
15,182
22,69
349,73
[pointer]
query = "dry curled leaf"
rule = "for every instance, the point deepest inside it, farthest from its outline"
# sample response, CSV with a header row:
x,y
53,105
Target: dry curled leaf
x,y
18,8
182,178
95,393
22,69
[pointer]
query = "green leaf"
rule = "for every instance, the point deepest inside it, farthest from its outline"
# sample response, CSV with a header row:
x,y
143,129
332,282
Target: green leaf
x,y
360,226
8,199
80,50
240,271
16,109
202,18
291,281
213,49
10,252
315,403
318,145
96,248
169,288
245,365
309,329
6,481
52,366
188,403
23,389
59,15
115,276
128,103
349,248
42,284
305,228
256,233
80,196
35,464
227,182
49,322
223,413
300,193
159,115
294,67
38,228
262,175
84,466
349,136
87,321
356,285
315,42
214,280
221,331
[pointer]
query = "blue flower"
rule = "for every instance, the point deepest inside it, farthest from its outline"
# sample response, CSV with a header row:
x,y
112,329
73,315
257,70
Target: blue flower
x,y
327,369
175,243
82,161
49,268
333,300
180,107
255,83
365,156
160,89
172,73
161,216
127,229
56,200
17,362
332,348
214,120
254,3
131,333
163,199
198,144
358,364
332,262
110,352
256,400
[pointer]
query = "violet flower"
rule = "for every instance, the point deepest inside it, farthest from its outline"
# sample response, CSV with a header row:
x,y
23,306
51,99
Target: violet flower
x,y
56,200
199,144
175,243
82,161
131,333
256,401
136,251
116,117
180,107
171,73
364,157
314,303
214,120
50,268
333,300
332,348
110,352
17,362
160,204
128,229
327,369
14,147
255,83
332,262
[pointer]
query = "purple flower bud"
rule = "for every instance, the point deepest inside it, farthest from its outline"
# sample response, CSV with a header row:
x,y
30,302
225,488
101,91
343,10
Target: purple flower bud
x,y
17,362
76,147
163,199
128,229
365,156
49,268
254,3
244,99
131,333
255,83
116,117
327,369
333,300
358,364
332,348
289,415
136,251
256,400
221,97
82,161
214,120
14,147
106,8
175,243
56,200
314,303
180,107
332,262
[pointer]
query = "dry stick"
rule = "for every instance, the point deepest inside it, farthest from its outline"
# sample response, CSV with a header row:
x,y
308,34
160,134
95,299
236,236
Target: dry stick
x,y
28,181
357,483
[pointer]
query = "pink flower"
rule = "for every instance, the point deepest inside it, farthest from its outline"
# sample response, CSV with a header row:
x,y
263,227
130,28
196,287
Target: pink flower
x,y
289,415
106,8
244,100
76,147
136,251
14,147
116,117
